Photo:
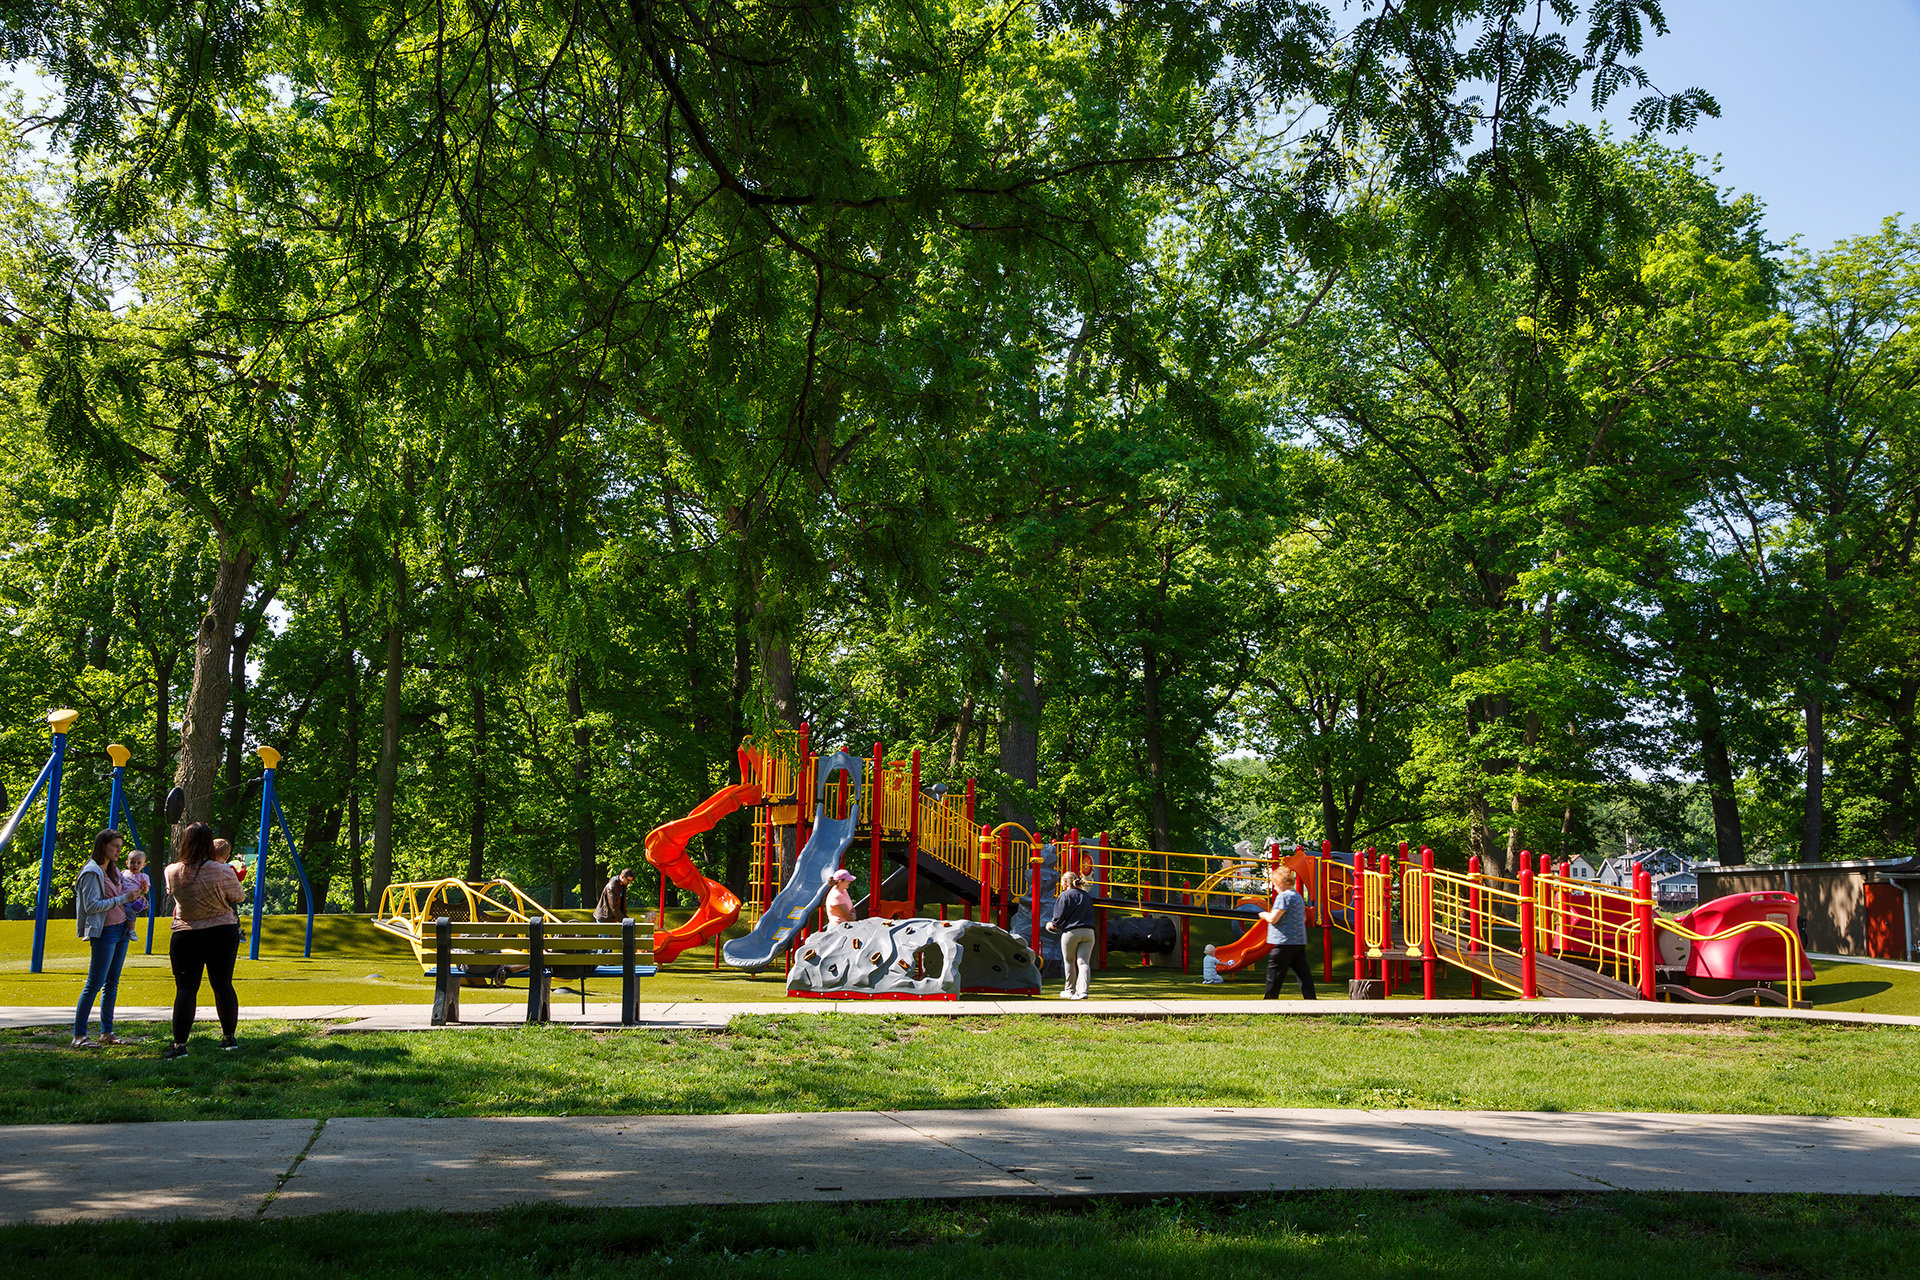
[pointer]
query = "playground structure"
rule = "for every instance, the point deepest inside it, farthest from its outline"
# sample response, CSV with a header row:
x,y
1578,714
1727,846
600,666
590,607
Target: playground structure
x,y
119,812
1539,933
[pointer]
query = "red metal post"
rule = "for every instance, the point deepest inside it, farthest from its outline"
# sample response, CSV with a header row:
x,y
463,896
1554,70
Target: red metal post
x,y
1473,916
876,808
1359,915
1005,869
1643,917
1100,913
1323,889
802,793
1430,966
1529,983
1389,965
766,873
986,873
662,917
913,838
1560,904
1033,899
969,800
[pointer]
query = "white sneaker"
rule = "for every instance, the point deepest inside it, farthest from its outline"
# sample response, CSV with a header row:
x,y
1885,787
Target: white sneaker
x,y
1066,995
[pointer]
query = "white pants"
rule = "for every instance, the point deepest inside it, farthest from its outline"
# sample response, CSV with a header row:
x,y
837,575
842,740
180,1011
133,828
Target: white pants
x,y
1076,952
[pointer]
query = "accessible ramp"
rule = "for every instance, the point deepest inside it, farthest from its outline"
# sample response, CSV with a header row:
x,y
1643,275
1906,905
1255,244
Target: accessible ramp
x,y
812,875
718,905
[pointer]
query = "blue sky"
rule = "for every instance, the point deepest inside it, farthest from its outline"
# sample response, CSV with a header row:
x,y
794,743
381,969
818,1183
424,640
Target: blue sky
x,y
1819,99
1819,106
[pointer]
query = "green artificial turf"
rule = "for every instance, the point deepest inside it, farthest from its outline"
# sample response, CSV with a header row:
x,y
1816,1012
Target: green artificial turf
x,y
800,1063
1435,1236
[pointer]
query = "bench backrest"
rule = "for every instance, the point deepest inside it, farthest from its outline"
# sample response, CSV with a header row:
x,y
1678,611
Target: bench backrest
x,y
562,942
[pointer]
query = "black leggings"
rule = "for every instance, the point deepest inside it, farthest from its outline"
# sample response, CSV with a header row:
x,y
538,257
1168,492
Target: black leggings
x,y
1279,960
213,950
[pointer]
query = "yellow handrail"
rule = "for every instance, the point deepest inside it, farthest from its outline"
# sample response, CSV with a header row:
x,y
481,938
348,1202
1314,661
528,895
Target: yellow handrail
x,y
1374,893
1793,953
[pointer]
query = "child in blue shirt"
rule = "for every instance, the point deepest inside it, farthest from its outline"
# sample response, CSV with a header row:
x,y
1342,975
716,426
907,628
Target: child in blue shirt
x,y
1210,969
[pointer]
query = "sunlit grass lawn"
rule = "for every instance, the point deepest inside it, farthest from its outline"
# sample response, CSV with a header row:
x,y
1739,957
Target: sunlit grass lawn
x,y
800,1063
1438,1236
355,963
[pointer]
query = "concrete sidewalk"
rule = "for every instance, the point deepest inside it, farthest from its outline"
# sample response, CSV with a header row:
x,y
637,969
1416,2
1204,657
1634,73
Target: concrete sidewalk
x,y
416,1017
281,1168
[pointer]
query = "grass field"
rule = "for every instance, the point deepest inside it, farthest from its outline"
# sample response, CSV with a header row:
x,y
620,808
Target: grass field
x,y
355,963
803,1063
1452,1236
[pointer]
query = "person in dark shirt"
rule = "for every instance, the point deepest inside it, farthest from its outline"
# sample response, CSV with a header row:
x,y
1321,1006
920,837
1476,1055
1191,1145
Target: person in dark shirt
x,y
1073,921
612,906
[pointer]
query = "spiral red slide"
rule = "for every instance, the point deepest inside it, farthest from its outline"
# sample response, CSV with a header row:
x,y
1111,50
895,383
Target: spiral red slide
x,y
667,850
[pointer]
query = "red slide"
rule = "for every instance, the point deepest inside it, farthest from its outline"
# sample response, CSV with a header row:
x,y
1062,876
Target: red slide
x,y
1247,948
667,850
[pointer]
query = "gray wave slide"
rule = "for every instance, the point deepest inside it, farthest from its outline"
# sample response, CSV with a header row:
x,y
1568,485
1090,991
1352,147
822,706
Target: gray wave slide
x,y
812,876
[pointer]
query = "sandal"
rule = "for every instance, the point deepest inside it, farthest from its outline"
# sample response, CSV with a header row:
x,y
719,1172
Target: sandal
x,y
107,1037
82,1042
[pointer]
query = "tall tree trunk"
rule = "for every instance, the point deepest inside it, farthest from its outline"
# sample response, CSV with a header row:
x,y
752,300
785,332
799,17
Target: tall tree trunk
x,y
355,871
232,821
162,748
387,780
740,850
1811,832
1716,766
319,846
1150,677
1329,804
776,670
198,772
961,732
477,825
1493,855
1021,703
590,876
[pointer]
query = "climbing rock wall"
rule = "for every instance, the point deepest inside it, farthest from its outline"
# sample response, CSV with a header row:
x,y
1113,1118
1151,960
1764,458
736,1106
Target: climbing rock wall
x,y
912,957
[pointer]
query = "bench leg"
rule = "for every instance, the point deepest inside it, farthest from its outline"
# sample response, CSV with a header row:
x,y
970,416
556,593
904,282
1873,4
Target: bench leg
x,y
629,980
539,996
446,1000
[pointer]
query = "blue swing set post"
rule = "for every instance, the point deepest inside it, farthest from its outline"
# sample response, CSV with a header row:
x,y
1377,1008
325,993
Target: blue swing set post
x,y
269,810
49,780
117,809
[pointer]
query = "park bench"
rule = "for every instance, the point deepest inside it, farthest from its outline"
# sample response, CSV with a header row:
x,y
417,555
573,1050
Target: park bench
x,y
545,950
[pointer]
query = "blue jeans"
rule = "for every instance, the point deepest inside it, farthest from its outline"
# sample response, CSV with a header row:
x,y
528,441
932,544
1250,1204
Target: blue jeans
x,y
103,978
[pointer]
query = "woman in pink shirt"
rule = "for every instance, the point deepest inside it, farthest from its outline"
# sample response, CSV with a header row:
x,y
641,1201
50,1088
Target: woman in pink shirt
x,y
839,901
206,936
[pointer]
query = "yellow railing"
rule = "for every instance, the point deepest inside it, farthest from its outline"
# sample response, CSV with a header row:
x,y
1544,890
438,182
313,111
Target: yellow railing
x,y
1480,916
406,908
1375,909
1793,955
